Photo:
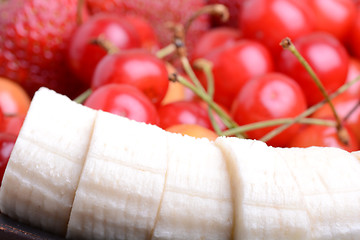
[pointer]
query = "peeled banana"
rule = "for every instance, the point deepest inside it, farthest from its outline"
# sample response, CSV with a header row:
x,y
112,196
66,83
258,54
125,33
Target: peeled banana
x,y
88,174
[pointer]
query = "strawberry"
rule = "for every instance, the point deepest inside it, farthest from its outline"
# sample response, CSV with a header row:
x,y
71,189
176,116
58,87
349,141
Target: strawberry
x,y
233,7
33,39
158,13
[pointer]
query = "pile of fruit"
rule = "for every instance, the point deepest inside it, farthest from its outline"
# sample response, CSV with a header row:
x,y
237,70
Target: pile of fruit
x,y
230,77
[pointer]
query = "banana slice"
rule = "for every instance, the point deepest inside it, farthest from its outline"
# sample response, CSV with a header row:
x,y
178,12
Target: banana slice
x,y
197,202
268,203
329,179
44,168
122,182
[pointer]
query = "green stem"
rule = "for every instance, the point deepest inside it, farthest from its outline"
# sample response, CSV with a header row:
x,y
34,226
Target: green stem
x,y
81,99
309,111
207,69
190,72
204,96
287,44
167,50
279,121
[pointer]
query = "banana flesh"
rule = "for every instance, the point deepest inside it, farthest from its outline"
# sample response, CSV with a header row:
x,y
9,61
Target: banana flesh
x,y
44,169
268,203
88,174
122,182
197,198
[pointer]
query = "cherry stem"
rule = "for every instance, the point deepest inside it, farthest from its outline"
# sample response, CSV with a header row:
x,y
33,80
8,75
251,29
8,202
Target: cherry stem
x,y
218,10
274,122
287,44
105,44
82,97
79,12
166,51
309,111
228,121
206,67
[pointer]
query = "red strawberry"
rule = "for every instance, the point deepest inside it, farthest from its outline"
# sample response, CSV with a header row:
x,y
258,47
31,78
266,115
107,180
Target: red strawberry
x,y
233,7
158,13
33,41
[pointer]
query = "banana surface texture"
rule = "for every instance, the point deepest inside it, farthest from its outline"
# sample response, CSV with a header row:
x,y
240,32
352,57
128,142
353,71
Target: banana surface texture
x,y
86,174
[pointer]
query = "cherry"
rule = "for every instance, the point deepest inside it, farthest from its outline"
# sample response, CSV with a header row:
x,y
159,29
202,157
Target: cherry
x,y
183,112
328,58
334,16
235,65
268,97
83,56
269,21
353,72
146,32
124,100
7,142
354,37
323,136
216,37
344,104
135,67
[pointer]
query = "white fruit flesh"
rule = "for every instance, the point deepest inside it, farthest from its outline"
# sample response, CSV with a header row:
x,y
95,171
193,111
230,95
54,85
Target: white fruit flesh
x,y
267,201
44,169
329,179
122,182
197,199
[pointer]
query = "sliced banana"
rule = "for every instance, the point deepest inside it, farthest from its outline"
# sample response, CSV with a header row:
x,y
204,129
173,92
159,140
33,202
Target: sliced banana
x,y
267,200
329,179
197,202
122,182
44,168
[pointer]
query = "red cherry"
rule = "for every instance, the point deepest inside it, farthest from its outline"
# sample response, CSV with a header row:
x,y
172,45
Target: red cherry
x,y
328,58
333,16
269,21
235,65
124,100
354,72
7,142
145,31
344,104
323,136
83,56
135,67
12,124
268,97
183,112
216,37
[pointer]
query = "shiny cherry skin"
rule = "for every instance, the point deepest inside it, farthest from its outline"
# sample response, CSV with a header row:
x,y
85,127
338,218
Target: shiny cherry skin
x,y
269,21
323,136
146,32
183,112
124,100
7,142
348,109
83,56
333,16
135,67
328,58
353,72
235,65
214,38
12,124
354,38
269,97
